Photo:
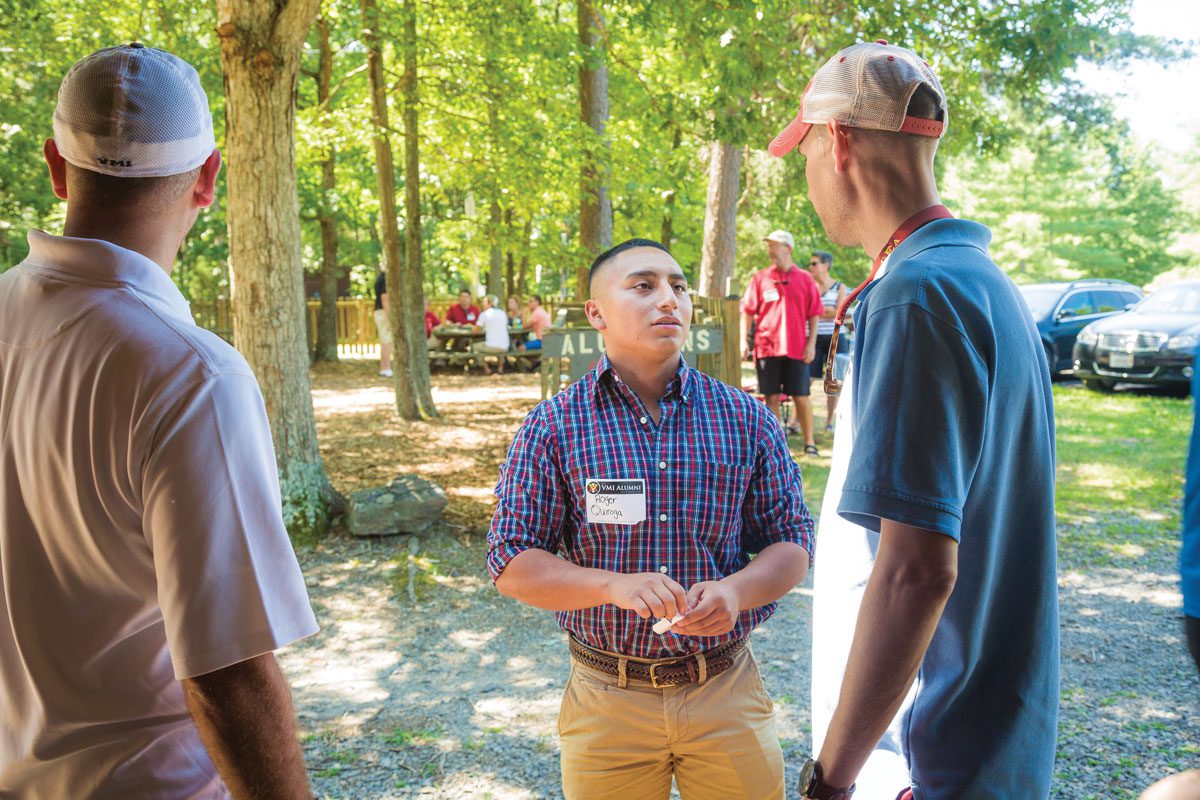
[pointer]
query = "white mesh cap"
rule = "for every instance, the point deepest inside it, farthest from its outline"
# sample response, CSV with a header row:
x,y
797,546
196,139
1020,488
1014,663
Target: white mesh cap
x,y
135,112
866,85
783,237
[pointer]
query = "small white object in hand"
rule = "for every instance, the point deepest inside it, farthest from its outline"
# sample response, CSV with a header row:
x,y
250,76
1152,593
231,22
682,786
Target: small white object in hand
x,y
664,624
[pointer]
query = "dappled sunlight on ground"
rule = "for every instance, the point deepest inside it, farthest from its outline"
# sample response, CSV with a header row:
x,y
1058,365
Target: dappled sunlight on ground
x,y
353,401
456,695
1133,586
364,444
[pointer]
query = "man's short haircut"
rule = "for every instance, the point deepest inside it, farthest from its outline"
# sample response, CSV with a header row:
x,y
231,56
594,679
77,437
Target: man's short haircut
x,y
824,257
616,250
467,292
537,297
149,195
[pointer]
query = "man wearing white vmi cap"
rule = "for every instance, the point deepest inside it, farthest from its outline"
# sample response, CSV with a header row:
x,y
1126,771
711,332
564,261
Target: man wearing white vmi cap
x,y
935,572
145,574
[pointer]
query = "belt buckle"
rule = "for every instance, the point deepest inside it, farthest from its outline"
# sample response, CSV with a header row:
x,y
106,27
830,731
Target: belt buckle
x,y
654,678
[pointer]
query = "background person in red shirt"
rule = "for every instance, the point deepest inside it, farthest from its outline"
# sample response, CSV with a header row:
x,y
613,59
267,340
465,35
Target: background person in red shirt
x,y
783,304
431,320
464,313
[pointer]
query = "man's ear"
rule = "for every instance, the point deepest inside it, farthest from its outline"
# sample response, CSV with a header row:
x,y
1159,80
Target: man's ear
x,y
205,190
839,143
58,168
592,309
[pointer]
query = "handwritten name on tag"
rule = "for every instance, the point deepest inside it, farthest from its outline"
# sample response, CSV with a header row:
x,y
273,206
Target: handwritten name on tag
x,y
770,296
616,502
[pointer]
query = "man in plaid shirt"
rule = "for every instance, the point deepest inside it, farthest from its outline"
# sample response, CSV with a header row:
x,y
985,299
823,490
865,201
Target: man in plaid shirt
x,y
639,494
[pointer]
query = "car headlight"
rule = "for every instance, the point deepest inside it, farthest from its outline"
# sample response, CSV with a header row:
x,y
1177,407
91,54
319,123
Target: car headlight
x,y
1086,337
1184,341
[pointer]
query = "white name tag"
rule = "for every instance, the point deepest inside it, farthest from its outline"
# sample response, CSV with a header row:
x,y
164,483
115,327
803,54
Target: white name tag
x,y
615,502
770,296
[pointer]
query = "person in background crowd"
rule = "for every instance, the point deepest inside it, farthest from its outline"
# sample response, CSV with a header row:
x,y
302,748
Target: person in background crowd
x,y
146,577
832,294
513,307
431,320
464,312
383,326
782,305
494,325
537,320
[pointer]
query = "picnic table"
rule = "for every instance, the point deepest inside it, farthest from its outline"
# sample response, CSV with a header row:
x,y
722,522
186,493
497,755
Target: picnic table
x,y
451,345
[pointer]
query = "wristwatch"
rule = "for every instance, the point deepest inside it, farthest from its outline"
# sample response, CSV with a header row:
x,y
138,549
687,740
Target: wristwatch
x,y
813,787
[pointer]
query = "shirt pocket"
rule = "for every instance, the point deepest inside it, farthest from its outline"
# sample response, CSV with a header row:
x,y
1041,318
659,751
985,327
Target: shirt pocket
x,y
714,507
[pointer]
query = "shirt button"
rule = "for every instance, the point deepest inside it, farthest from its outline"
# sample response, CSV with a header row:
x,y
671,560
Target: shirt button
x,y
663,569
642,420
662,517
662,465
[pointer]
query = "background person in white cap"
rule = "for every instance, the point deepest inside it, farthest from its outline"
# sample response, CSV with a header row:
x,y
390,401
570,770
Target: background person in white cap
x,y
145,573
783,305
936,545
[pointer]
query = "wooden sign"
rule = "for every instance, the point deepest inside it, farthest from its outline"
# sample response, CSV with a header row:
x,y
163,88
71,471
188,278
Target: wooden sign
x,y
584,346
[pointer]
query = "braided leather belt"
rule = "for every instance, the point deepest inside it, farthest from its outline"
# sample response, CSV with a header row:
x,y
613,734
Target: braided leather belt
x,y
664,672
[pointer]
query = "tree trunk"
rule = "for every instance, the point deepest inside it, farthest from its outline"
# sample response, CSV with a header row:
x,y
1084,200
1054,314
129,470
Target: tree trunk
x,y
495,275
669,209
666,233
260,58
595,207
510,265
412,283
523,275
326,349
413,397
720,219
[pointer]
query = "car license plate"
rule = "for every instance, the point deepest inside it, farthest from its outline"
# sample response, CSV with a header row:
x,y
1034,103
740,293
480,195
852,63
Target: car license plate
x,y
1120,360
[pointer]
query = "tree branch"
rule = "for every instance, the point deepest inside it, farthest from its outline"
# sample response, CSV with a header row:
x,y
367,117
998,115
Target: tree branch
x,y
294,19
650,95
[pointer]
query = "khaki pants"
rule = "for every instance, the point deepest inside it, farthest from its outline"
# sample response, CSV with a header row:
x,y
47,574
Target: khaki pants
x,y
716,738
381,325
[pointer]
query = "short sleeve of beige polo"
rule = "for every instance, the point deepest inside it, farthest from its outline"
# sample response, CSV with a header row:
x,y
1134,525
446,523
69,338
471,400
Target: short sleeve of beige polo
x,y
229,585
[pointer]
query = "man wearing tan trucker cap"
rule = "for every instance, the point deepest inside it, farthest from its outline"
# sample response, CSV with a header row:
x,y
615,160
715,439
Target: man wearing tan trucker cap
x,y
145,573
935,581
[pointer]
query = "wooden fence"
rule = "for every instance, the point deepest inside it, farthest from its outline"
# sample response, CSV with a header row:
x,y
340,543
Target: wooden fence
x,y
358,337
726,313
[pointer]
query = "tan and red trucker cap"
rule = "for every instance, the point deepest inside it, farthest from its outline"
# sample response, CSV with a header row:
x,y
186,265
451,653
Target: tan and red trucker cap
x,y
866,85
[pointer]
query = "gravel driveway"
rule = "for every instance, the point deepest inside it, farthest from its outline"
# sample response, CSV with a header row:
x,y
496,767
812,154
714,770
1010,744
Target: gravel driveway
x,y
457,695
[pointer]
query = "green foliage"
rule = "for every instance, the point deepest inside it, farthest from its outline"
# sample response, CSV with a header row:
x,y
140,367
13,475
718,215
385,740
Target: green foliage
x,y
499,122
1078,200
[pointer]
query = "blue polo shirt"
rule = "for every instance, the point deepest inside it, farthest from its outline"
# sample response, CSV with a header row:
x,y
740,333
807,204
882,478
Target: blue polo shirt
x,y
954,432
1189,555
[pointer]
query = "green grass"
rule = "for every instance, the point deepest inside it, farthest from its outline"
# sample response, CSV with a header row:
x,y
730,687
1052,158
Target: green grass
x,y
1120,475
402,737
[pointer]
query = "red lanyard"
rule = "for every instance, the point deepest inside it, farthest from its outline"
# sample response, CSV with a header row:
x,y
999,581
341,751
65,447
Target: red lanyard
x,y
903,232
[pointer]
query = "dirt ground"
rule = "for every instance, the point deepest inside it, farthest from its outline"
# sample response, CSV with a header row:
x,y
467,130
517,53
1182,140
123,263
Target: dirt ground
x,y
456,695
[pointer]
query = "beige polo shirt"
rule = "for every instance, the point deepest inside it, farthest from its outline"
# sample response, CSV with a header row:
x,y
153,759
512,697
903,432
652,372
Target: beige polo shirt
x,y
141,537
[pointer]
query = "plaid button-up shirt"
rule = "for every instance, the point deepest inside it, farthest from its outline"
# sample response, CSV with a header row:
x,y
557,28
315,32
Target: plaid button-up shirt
x,y
720,485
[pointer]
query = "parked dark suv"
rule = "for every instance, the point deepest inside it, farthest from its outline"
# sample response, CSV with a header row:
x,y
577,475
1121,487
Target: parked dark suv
x,y
1062,310
1153,344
